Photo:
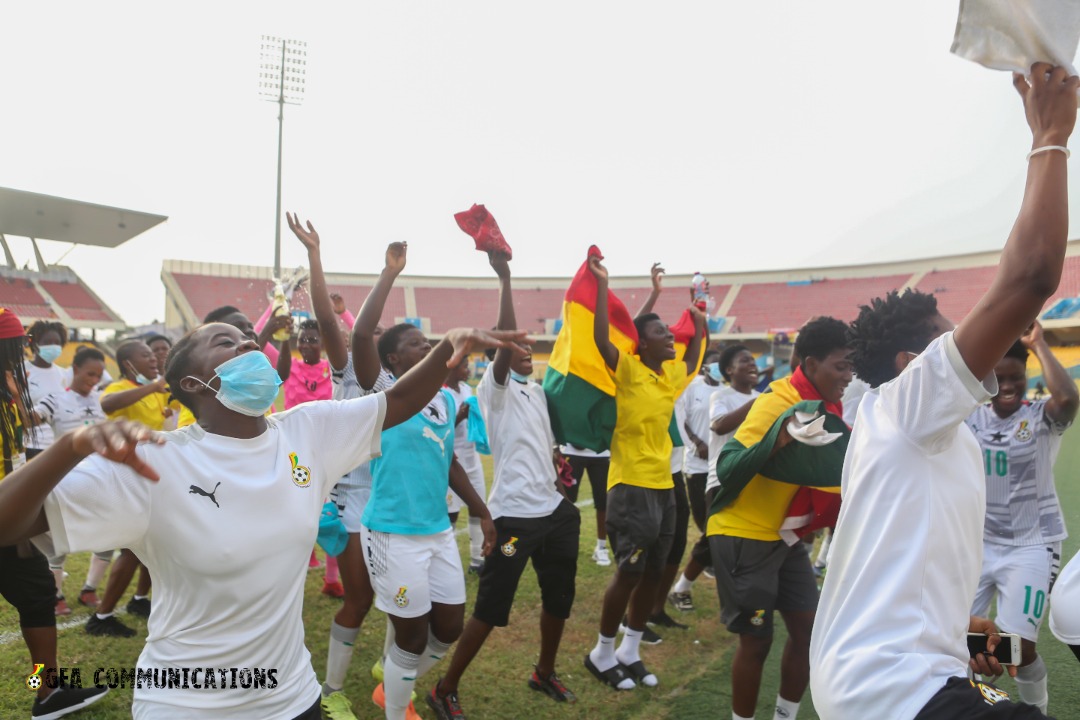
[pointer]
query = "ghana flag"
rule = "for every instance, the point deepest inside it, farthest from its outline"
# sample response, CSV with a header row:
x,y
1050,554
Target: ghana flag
x,y
578,384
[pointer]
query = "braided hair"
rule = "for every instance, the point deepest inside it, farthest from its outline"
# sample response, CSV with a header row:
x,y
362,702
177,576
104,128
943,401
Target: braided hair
x,y
12,359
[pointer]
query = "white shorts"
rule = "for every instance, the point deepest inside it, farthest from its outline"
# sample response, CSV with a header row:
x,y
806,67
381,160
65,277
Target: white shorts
x,y
351,501
409,572
476,479
1021,576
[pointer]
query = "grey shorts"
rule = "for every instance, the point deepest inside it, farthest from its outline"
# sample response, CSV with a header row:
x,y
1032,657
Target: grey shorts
x,y
756,577
640,526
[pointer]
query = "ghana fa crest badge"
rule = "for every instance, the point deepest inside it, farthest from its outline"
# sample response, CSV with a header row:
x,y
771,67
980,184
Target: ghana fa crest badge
x,y
509,548
400,599
301,474
1023,433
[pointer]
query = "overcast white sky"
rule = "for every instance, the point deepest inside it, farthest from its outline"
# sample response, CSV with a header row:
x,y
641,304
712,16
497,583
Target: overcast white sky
x,y
709,136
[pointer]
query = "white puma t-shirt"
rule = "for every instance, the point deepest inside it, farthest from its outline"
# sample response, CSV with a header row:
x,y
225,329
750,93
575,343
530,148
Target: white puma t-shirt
x,y
226,534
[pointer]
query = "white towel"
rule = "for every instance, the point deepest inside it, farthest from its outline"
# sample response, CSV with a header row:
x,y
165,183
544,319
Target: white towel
x,y
1014,34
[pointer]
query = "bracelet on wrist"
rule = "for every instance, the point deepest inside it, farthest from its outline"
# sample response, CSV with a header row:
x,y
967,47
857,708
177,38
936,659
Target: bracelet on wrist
x,y
1048,148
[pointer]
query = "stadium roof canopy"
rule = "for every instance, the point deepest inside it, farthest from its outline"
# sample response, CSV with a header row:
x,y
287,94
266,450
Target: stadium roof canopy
x,y
46,217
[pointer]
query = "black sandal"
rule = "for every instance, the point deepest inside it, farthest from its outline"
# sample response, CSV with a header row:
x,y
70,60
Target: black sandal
x,y
610,677
639,672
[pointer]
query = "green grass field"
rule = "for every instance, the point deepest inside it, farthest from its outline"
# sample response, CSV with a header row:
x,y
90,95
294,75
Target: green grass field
x,y
693,665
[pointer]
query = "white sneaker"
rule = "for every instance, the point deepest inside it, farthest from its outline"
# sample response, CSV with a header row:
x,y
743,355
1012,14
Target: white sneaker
x,y
600,557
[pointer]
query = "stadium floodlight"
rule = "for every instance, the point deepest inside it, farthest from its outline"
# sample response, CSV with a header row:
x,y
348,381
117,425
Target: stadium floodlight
x,y
282,65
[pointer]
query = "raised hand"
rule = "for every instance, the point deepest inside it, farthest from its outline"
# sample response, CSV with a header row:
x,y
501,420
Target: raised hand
x,y
1049,95
338,302
500,263
597,269
657,274
466,341
309,237
395,256
700,318
279,322
1033,337
116,440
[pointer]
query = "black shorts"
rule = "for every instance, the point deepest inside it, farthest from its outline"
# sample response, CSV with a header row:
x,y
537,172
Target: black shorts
x,y
695,489
552,543
640,526
27,583
961,698
597,468
756,577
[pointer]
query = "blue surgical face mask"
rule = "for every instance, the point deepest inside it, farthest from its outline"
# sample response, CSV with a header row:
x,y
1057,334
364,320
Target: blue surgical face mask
x,y
140,379
519,377
49,353
713,371
249,383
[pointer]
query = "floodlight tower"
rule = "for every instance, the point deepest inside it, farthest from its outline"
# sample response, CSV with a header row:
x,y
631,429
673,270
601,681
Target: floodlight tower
x,y
282,64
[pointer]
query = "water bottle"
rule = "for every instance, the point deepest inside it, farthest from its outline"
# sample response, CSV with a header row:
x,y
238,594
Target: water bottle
x,y
280,307
700,287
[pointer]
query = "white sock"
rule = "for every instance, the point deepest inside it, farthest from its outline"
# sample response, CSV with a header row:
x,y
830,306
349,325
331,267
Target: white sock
x,y
476,541
338,657
58,579
1031,682
823,551
399,669
603,657
436,650
682,585
139,597
601,544
785,709
104,616
628,653
737,716
98,567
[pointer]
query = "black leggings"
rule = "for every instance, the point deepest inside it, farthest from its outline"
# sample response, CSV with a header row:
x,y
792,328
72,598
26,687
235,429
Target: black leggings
x,y
312,713
682,520
598,472
27,583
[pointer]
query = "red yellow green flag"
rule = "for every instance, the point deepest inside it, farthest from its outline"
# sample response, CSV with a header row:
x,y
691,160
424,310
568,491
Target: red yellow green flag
x,y
578,384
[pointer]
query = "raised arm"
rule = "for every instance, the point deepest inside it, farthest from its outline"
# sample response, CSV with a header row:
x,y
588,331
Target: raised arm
x,y
341,311
366,363
414,389
507,321
1030,267
656,273
701,332
601,333
284,361
1064,397
23,492
330,334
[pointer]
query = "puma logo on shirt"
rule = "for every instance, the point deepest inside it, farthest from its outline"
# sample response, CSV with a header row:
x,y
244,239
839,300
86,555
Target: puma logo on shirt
x,y
196,490
431,435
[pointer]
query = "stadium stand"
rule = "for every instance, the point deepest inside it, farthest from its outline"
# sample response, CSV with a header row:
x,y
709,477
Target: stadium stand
x,y
747,305
56,294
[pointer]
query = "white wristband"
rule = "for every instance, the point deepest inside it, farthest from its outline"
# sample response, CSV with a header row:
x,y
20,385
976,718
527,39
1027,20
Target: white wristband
x,y
1047,148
